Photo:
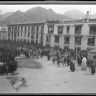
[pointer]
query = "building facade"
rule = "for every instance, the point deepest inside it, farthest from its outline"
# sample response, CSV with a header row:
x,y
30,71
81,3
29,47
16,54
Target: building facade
x,y
3,33
77,34
26,32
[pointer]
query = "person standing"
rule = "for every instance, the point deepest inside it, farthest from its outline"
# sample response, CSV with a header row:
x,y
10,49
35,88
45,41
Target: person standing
x,y
72,65
83,65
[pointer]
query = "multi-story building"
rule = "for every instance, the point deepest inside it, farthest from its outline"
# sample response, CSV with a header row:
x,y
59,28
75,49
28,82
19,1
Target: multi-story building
x,y
3,33
32,32
77,34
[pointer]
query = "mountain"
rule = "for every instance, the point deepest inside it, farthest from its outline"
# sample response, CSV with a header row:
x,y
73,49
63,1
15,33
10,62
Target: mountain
x,y
36,14
75,14
5,15
16,17
40,14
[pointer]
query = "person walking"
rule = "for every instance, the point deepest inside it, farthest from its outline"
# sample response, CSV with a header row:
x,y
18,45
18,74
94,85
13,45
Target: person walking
x,y
92,68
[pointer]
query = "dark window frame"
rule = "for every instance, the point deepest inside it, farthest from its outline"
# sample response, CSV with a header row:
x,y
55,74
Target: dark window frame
x,y
28,34
48,39
68,29
78,29
50,29
92,30
77,40
60,29
91,41
66,40
56,39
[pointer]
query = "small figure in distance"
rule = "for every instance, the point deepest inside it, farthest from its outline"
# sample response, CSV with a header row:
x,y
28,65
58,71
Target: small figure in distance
x,y
72,65
92,68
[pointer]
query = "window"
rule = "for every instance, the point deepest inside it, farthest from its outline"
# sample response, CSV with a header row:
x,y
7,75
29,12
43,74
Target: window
x,y
56,39
21,28
28,28
32,36
12,34
68,29
78,29
66,40
48,39
77,40
33,28
12,29
91,41
50,29
15,28
18,33
92,30
8,34
36,36
25,34
77,50
25,28
9,28
60,30
42,29
28,34
37,30
41,36
21,33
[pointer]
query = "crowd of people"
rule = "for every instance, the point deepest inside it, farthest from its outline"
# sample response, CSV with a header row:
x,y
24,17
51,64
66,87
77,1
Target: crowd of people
x,y
8,64
58,56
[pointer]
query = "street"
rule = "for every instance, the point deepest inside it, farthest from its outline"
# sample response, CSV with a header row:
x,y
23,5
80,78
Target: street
x,y
52,79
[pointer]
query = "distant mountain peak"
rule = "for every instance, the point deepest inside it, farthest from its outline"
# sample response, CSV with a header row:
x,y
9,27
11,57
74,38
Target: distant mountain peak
x,y
36,14
74,13
50,9
18,11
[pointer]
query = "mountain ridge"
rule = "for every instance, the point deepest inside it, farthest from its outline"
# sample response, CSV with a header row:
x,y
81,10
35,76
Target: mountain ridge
x,y
40,14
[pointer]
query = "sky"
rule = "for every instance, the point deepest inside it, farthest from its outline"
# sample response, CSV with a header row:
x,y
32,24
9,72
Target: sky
x,y
58,8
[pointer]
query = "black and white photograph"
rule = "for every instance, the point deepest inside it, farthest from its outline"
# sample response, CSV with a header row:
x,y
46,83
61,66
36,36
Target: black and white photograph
x,y
47,47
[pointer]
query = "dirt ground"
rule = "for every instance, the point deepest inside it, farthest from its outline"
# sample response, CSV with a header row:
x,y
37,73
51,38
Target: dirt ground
x,y
52,79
